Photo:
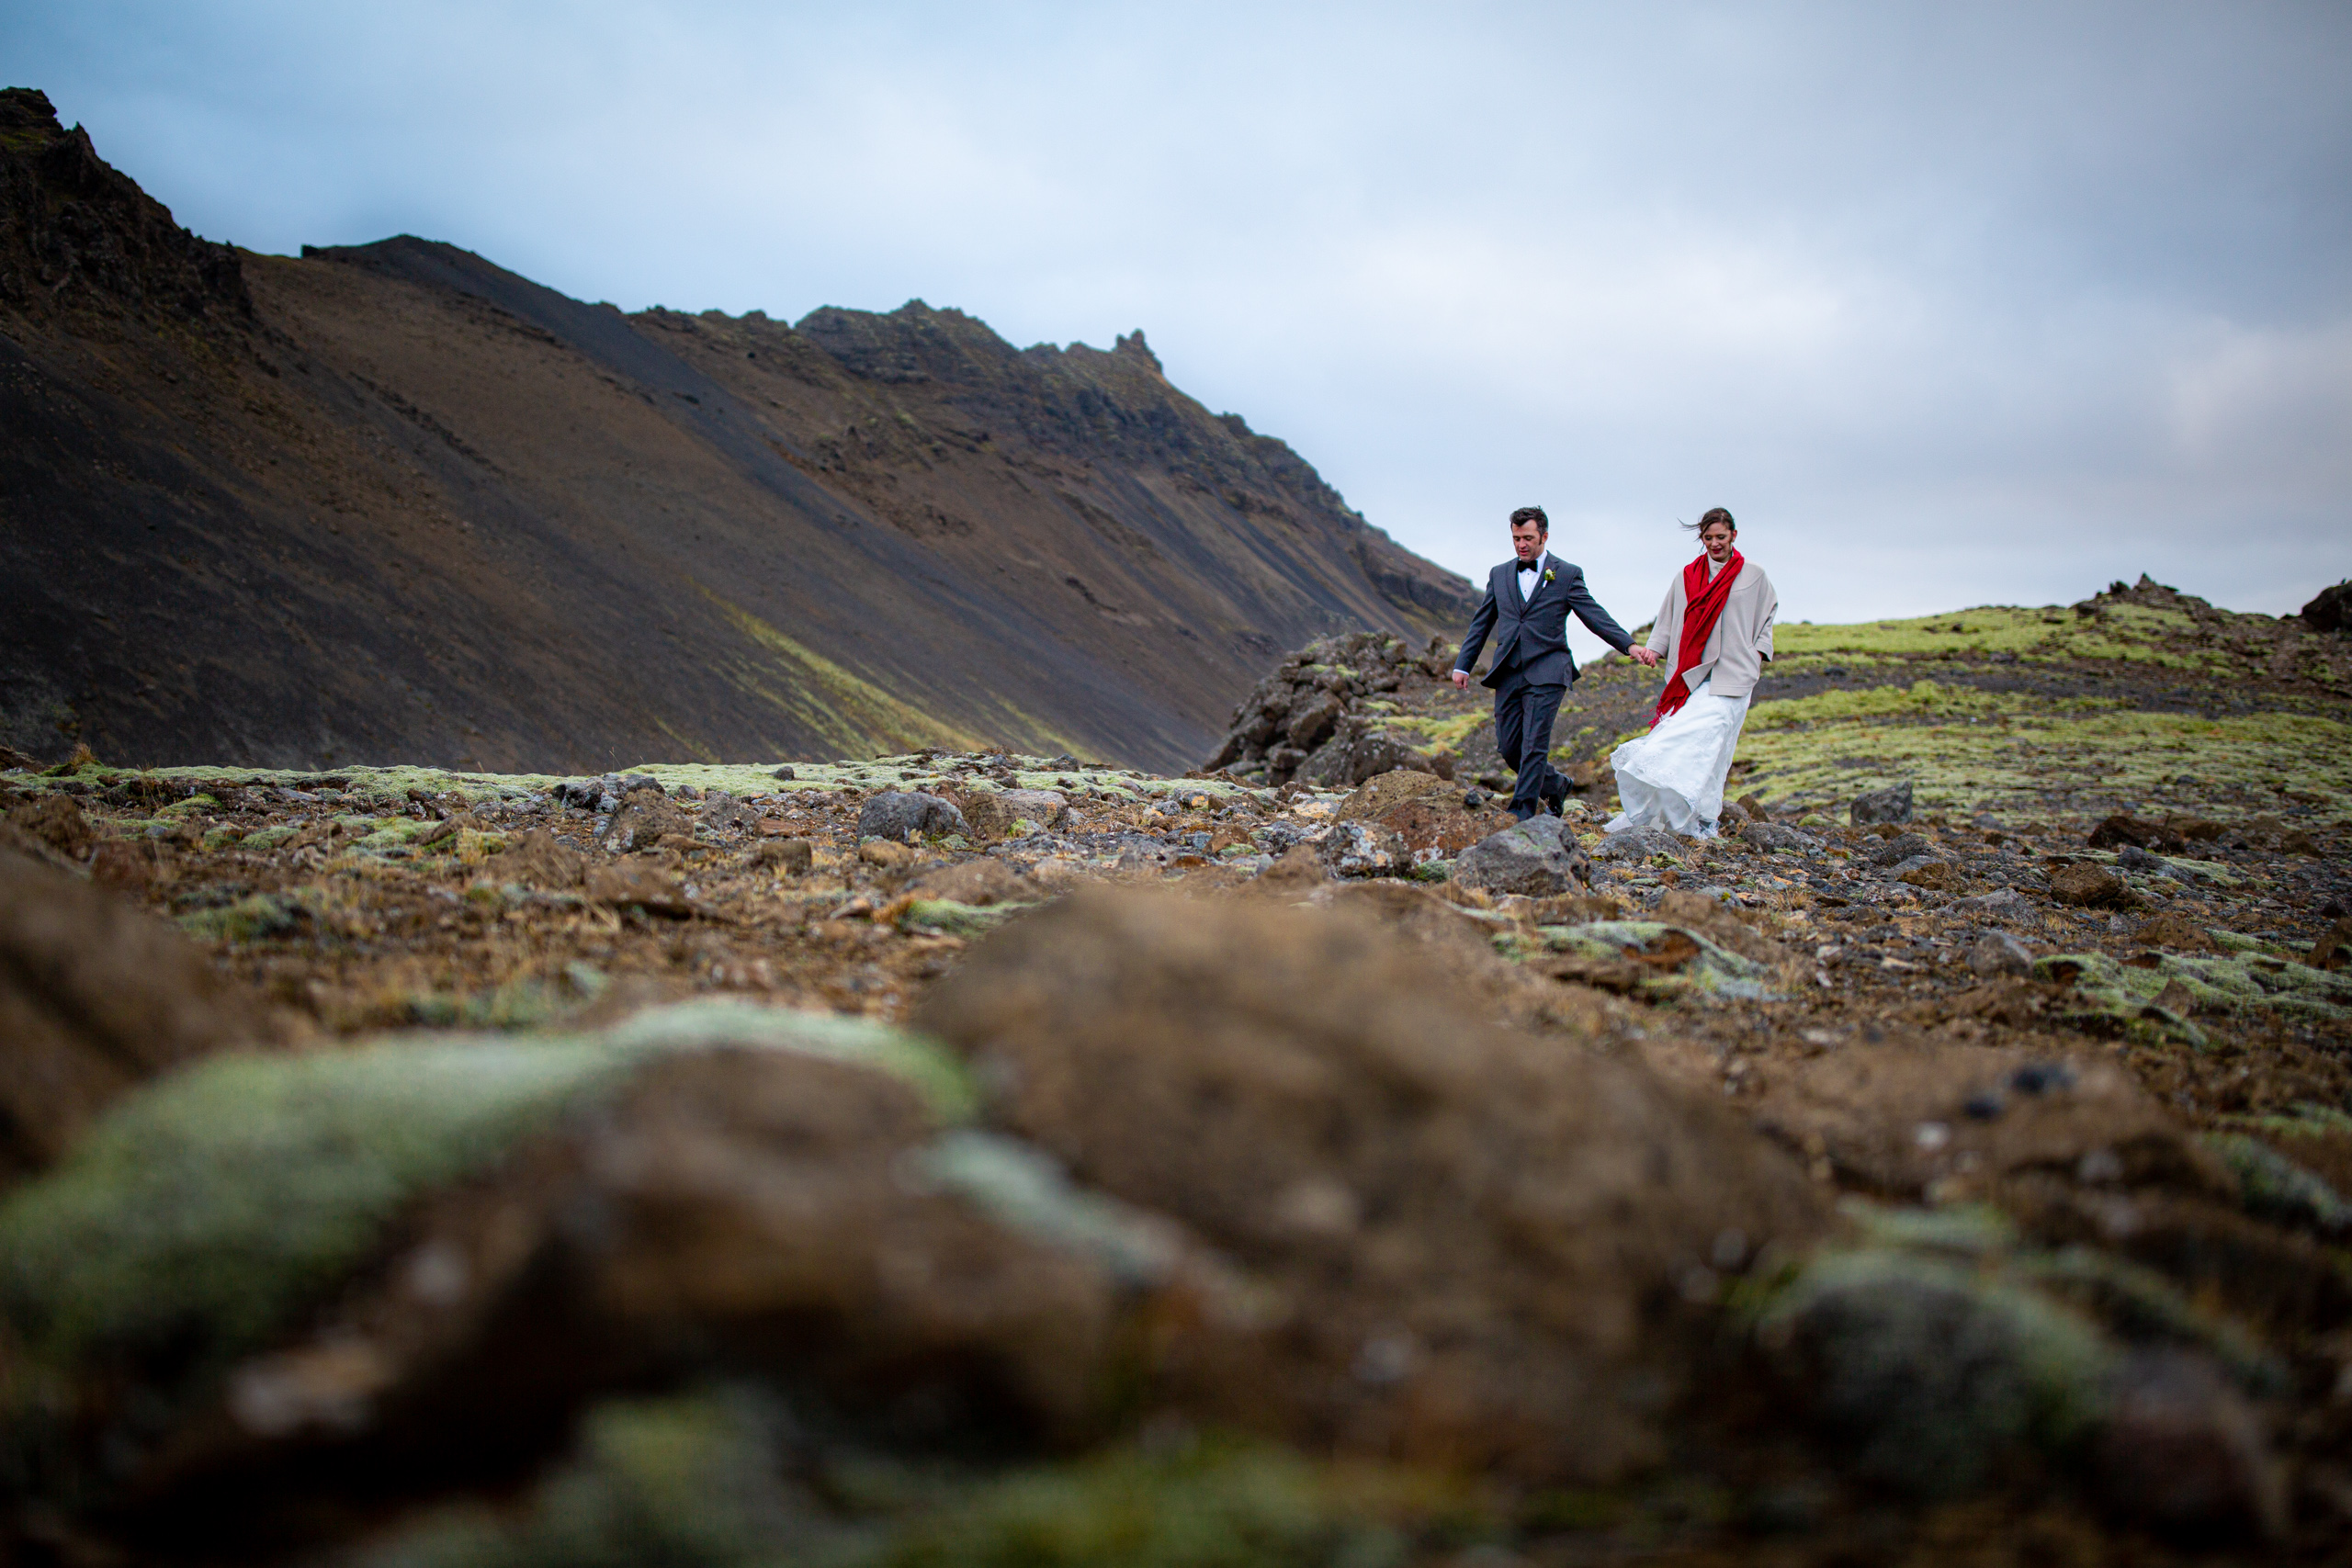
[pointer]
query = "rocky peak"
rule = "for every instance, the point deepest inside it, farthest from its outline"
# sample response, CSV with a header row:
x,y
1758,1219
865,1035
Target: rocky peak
x,y
76,233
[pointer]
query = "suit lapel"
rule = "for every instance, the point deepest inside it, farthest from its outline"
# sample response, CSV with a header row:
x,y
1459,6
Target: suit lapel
x,y
1518,600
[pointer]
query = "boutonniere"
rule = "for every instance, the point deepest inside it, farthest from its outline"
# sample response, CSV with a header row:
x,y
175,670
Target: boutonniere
x,y
1547,574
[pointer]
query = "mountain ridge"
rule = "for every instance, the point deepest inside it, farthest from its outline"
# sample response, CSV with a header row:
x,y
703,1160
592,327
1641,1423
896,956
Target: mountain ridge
x,y
394,499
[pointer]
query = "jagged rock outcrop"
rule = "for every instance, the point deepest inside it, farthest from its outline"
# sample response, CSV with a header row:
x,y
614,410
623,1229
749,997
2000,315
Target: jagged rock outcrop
x,y
1326,716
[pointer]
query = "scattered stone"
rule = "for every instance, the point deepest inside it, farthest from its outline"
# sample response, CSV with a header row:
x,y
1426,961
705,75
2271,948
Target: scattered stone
x,y
1637,844
896,815
645,817
53,821
721,810
1359,848
535,860
1767,835
1389,789
1926,871
784,774
2089,886
2003,904
2136,833
1997,953
1047,808
2334,949
2176,931
1890,804
1898,848
887,853
126,866
1537,858
785,857
637,885
976,883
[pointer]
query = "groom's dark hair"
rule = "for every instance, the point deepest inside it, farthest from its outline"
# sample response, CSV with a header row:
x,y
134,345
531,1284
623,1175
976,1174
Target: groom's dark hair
x,y
1531,514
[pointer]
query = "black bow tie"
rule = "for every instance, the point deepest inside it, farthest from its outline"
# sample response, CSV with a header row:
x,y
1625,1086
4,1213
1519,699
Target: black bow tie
x,y
1530,567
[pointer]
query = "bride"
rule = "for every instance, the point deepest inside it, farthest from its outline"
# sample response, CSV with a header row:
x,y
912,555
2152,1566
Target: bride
x,y
1715,632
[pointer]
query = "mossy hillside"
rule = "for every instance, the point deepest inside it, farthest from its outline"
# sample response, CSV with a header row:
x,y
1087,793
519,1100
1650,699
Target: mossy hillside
x,y
212,1207
1959,749
2134,632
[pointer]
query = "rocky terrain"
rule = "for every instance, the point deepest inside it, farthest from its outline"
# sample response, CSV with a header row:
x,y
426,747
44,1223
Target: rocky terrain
x,y
982,1156
392,500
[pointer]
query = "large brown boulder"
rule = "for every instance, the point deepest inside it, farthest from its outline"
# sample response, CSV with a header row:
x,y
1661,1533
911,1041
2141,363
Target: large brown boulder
x,y
1482,1247
95,996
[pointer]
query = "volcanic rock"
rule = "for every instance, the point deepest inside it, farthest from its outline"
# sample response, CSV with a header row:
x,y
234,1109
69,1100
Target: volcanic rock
x,y
898,814
1500,1223
95,998
1356,848
2091,886
1889,805
1538,858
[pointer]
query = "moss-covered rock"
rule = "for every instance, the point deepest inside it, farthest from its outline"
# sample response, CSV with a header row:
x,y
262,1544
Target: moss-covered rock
x,y
204,1213
1708,970
1937,1372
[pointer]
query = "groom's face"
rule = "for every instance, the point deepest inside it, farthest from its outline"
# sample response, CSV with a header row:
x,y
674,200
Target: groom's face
x,y
1526,540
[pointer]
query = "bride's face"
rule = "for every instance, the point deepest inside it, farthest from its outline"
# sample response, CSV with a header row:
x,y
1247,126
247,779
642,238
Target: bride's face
x,y
1717,538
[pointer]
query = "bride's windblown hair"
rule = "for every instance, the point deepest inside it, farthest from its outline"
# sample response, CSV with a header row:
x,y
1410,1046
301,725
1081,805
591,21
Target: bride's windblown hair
x,y
1713,515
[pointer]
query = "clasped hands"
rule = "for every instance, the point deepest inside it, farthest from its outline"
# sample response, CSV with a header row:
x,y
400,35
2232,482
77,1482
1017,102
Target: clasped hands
x,y
1645,657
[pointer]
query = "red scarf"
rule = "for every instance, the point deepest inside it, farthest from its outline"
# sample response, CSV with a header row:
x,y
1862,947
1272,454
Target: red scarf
x,y
1702,605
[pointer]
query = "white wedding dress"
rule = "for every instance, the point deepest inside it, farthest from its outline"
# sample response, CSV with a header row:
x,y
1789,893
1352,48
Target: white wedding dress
x,y
1673,777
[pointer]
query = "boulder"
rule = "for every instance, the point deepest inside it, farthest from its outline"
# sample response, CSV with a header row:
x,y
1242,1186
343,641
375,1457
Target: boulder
x,y
2330,610
2090,886
978,883
1997,953
2001,904
2176,931
898,814
96,997
1637,844
1894,851
406,1239
1386,791
1890,804
1767,835
786,857
1359,848
1538,858
1482,1243
645,817
2137,833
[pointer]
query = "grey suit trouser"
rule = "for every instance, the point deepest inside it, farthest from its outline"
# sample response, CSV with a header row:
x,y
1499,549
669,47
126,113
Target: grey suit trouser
x,y
1523,716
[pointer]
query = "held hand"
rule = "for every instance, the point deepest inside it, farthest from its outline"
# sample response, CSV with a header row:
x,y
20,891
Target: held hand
x,y
1461,680
1647,658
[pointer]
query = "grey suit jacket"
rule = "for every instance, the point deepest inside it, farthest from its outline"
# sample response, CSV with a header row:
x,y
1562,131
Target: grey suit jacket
x,y
1532,634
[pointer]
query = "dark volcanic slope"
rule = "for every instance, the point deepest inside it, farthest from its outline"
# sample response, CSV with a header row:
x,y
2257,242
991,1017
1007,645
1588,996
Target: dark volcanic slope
x,y
393,501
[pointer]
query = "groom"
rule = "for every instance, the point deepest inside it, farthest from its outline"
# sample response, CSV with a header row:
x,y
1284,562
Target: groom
x,y
1529,598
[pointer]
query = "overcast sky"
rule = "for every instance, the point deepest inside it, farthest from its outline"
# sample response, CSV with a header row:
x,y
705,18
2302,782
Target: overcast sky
x,y
1949,304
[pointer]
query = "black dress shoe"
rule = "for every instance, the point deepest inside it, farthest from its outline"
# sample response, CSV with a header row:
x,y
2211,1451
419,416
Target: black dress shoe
x,y
1554,795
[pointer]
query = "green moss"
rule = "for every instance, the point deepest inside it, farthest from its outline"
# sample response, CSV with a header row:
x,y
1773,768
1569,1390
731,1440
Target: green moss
x,y
211,1208
945,916
193,804
2272,1184
269,838
250,919
2230,981
706,1482
2123,631
1714,971
1934,1369
1960,747
221,838
1219,1506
